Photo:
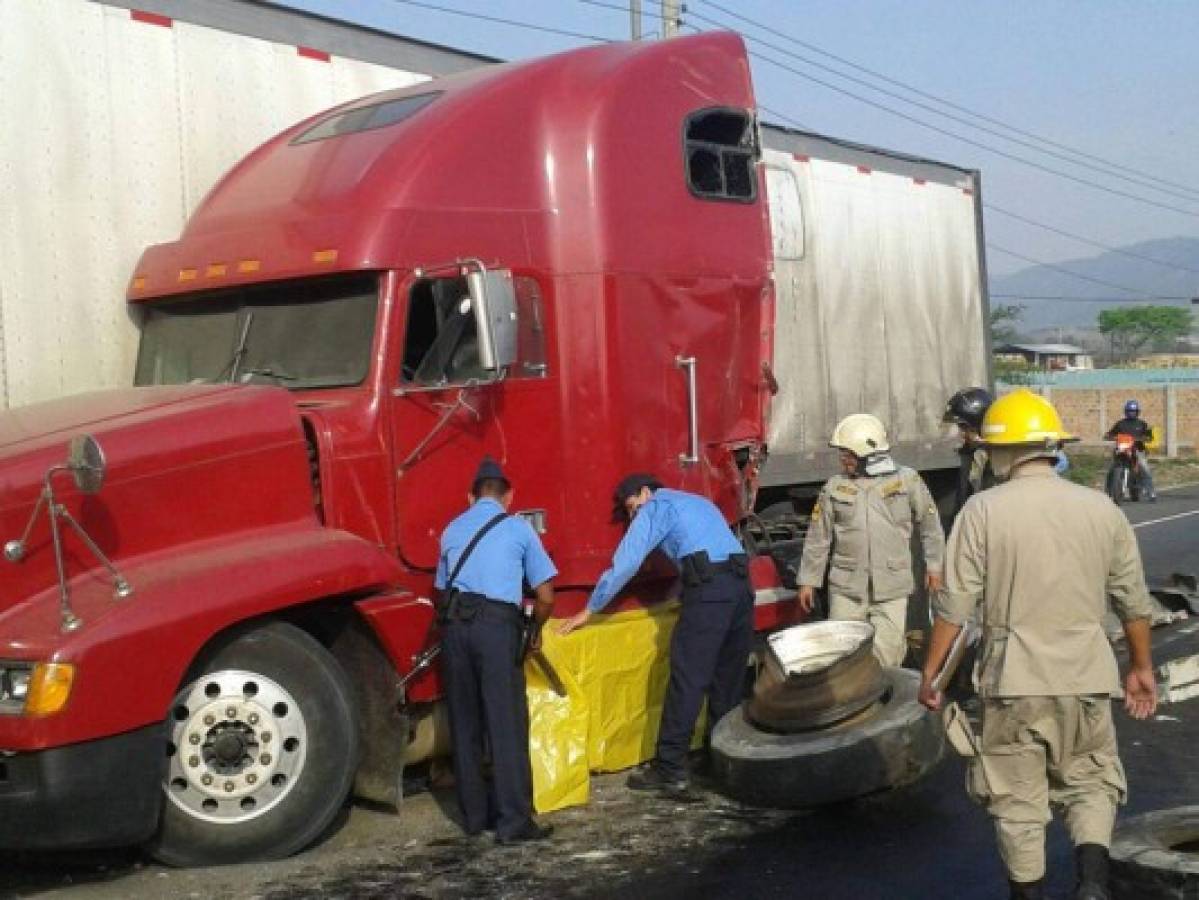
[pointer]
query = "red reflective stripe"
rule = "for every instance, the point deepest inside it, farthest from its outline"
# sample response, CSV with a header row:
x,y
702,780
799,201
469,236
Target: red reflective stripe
x,y
312,53
150,18
919,181
799,157
865,170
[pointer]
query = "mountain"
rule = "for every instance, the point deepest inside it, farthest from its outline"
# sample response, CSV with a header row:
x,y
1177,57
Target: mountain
x,y
1154,280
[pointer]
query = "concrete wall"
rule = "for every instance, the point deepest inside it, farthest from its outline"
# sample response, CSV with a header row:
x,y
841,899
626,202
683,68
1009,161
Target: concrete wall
x,y
1173,410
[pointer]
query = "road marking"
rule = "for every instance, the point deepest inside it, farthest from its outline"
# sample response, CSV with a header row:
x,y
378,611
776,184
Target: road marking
x,y
1193,512
1178,487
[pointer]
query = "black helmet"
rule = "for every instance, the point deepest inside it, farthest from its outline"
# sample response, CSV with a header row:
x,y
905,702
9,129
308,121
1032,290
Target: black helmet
x,y
968,406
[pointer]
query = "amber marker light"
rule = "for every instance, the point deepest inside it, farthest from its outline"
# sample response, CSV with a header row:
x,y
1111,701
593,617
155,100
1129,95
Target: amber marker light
x,y
139,282
324,256
248,265
215,270
49,688
188,274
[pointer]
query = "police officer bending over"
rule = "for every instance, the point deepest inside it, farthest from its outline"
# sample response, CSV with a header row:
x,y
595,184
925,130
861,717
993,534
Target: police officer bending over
x,y
485,555
1044,557
864,520
711,642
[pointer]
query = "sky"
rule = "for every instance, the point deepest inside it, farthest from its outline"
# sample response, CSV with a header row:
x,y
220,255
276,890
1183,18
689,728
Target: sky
x,y
1114,79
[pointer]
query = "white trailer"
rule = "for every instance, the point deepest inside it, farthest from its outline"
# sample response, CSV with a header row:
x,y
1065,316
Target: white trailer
x,y
881,302
119,117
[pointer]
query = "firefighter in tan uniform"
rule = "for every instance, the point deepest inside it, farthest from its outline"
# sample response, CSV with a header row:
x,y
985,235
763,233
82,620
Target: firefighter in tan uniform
x,y
864,520
1044,556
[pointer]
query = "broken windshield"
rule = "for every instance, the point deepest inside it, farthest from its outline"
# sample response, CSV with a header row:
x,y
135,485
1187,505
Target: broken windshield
x,y
302,334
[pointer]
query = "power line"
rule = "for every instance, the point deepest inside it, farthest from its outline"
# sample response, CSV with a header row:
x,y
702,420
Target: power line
x,y
948,103
597,38
1062,269
992,207
513,22
1007,212
1075,299
966,140
786,118
953,118
1134,299
1085,240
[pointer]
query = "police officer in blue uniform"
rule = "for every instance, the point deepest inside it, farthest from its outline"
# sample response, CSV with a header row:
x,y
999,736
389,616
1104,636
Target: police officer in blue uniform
x,y
485,556
711,641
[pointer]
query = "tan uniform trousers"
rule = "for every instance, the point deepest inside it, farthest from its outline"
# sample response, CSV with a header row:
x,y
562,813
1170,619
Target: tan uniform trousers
x,y
889,618
1041,750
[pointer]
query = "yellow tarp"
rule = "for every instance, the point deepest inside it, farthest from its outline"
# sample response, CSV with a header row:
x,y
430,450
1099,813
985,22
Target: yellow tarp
x,y
615,671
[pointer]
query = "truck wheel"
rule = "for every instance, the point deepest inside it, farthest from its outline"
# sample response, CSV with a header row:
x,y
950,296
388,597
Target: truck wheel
x,y
1156,855
262,748
895,743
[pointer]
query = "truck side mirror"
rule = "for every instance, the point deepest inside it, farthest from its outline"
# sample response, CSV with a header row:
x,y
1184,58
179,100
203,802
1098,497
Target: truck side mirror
x,y
85,460
493,299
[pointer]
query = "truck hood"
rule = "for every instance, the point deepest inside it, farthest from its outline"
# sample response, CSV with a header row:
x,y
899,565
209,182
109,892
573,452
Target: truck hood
x,y
184,464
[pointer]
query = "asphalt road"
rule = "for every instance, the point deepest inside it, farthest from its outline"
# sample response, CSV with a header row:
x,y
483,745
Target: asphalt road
x,y
925,842
1168,531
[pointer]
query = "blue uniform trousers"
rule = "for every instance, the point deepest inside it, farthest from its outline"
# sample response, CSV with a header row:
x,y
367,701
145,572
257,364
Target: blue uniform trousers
x,y
485,689
708,655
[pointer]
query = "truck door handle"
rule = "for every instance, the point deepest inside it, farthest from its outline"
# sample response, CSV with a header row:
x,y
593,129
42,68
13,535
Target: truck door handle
x,y
692,455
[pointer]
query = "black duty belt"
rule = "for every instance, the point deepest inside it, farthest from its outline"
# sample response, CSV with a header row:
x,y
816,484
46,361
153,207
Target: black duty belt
x,y
697,568
463,606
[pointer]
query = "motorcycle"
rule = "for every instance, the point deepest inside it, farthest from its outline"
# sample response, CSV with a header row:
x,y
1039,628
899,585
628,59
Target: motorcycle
x,y
1124,477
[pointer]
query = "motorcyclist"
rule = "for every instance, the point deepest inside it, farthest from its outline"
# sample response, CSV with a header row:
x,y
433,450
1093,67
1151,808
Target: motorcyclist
x,y
1139,430
966,409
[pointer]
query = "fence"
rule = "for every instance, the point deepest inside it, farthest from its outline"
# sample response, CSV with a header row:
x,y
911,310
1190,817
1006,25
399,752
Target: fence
x,y
1091,402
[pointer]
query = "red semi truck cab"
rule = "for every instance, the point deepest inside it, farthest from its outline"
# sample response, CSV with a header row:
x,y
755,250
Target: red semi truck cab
x,y
562,263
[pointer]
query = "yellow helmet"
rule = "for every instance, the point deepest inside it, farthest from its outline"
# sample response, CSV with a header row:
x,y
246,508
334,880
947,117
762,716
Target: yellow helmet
x,y
1022,418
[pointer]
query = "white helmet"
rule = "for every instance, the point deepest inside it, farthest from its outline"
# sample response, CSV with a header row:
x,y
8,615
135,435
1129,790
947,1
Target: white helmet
x,y
861,434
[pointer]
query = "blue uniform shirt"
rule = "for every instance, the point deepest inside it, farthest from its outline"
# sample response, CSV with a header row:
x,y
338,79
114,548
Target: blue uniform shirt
x,y
508,552
678,524
1061,463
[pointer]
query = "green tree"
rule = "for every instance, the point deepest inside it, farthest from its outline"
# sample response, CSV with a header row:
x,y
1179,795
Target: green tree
x,y
1003,322
1130,328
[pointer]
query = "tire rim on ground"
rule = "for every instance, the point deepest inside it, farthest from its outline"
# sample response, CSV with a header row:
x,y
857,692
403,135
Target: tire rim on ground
x,y
816,675
238,742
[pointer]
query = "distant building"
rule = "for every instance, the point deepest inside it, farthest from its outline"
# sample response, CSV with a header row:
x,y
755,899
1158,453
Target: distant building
x,y
1166,361
1052,357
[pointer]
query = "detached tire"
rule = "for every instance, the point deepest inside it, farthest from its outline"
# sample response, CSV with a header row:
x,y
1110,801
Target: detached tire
x,y
263,745
1156,856
895,744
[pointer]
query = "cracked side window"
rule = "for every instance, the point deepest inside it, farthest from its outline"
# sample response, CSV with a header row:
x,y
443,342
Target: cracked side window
x,y
721,150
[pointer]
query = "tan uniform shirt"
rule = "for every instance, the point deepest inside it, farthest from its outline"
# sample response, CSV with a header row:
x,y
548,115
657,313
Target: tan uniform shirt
x,y
1042,554
866,524
978,470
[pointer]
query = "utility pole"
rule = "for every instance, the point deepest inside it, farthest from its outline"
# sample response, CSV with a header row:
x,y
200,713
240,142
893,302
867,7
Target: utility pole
x,y
670,18
635,19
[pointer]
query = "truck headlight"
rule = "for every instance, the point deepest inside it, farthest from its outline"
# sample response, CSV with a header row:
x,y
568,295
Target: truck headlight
x,y
17,683
39,689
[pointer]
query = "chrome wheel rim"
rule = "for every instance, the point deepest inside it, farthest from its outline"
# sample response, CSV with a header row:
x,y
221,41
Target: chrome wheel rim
x,y
238,743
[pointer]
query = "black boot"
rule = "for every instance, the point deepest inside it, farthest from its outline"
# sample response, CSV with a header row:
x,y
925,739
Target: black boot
x,y
1026,890
1092,860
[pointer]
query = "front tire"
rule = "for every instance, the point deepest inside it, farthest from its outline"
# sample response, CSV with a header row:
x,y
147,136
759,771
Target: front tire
x,y
1115,483
262,749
